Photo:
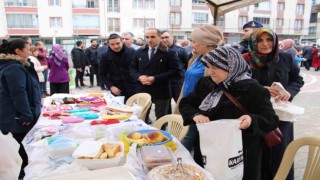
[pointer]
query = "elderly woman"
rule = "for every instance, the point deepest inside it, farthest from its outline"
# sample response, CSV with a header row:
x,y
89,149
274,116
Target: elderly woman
x,y
228,71
203,39
268,66
58,65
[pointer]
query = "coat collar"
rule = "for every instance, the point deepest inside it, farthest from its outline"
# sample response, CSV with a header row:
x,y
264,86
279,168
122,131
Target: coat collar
x,y
14,57
162,47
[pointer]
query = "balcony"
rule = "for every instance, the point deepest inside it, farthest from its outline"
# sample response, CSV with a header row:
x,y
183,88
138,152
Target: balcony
x,y
113,9
86,26
85,4
11,3
20,26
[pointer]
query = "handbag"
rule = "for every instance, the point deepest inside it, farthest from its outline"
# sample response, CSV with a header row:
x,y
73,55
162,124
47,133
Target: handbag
x,y
272,138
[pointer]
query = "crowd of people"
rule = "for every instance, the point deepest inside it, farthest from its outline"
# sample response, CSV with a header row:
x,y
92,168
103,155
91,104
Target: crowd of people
x,y
195,76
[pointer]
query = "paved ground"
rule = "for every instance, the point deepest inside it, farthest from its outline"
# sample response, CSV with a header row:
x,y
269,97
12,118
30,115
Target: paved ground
x,y
308,124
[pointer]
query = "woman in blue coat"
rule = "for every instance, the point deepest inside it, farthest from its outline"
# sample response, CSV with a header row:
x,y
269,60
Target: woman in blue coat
x,y
268,65
20,104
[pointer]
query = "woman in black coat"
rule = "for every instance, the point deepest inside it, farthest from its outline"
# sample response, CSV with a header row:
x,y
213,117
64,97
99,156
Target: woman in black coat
x,y
229,71
268,66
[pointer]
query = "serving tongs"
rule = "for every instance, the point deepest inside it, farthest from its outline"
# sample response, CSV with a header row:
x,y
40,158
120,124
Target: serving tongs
x,y
180,172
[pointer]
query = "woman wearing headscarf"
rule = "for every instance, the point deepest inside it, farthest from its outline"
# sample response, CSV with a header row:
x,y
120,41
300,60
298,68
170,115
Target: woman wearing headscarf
x,y
287,45
58,65
203,39
268,66
228,71
316,59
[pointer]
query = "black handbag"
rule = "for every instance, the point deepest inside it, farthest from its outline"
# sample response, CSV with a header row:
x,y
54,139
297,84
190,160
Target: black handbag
x,y
271,138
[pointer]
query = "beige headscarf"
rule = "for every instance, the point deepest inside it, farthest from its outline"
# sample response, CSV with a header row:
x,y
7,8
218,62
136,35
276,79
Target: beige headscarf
x,y
207,35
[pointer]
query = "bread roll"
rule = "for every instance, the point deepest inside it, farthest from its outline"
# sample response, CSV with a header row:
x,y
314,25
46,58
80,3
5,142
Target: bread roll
x,y
99,153
155,136
103,156
135,135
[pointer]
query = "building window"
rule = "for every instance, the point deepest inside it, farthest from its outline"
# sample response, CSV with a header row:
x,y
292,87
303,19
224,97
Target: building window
x,y
198,3
264,6
300,9
312,30
21,3
298,24
149,4
313,18
175,18
149,23
113,6
281,6
85,3
220,21
138,23
200,18
262,20
86,21
242,21
246,8
55,22
175,2
22,20
137,4
279,21
113,24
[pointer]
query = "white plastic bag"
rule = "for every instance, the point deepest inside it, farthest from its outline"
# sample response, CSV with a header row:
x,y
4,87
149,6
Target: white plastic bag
x,y
286,110
221,146
10,160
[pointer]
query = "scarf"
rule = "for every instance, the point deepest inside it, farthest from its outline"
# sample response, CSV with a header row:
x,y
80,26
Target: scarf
x,y
256,58
230,60
57,54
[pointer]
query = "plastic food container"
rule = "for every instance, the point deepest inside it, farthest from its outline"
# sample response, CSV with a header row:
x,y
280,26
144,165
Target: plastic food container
x,y
60,146
153,156
94,164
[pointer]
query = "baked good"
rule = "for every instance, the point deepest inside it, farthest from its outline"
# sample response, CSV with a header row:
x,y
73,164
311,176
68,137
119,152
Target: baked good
x,y
135,135
155,136
120,109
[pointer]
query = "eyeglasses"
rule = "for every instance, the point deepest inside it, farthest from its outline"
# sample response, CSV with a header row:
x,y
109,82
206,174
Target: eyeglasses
x,y
165,37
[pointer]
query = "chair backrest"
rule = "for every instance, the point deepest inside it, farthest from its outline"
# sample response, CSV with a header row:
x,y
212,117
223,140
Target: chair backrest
x,y
143,100
175,125
312,170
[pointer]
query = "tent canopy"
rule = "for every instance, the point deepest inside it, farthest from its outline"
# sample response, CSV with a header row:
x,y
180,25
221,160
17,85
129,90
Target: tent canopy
x,y
220,7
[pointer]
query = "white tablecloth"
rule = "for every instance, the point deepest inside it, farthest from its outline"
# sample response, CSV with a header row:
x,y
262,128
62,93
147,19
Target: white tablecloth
x,y
41,166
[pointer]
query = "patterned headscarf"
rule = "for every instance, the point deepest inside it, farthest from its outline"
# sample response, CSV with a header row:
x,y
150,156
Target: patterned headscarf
x,y
57,54
256,57
230,60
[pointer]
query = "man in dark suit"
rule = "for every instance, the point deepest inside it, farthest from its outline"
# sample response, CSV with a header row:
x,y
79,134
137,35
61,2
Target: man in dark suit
x,y
153,66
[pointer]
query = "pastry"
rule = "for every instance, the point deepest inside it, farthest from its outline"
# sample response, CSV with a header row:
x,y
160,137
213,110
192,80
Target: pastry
x,y
135,135
155,136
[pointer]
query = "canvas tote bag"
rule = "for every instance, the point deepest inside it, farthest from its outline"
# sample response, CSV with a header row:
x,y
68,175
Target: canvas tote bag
x,y
221,147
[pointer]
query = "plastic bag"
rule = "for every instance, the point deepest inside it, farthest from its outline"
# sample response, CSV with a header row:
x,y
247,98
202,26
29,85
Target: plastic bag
x,y
287,111
221,147
10,160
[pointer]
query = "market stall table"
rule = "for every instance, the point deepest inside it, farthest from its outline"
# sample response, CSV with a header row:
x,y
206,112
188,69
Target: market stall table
x,y
42,165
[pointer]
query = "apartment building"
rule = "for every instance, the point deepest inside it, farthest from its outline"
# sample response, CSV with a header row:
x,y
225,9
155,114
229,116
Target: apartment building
x,y
64,21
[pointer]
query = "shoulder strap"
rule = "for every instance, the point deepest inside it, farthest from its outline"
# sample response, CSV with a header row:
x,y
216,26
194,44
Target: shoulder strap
x,y
235,102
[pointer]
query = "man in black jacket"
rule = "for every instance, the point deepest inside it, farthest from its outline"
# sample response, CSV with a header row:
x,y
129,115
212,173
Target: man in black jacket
x,y
153,66
114,68
79,60
91,53
177,81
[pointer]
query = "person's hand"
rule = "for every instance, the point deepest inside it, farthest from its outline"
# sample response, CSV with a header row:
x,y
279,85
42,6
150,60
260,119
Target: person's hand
x,y
45,68
143,79
116,91
245,121
304,59
273,92
283,97
201,119
150,80
79,69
